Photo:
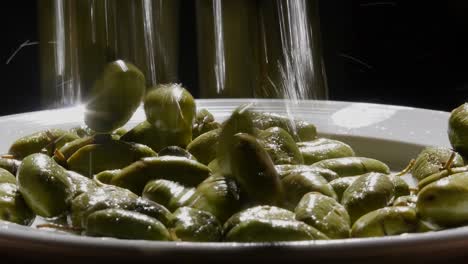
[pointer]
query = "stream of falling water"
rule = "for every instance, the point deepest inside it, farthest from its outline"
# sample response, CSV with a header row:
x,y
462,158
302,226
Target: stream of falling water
x,y
287,66
297,73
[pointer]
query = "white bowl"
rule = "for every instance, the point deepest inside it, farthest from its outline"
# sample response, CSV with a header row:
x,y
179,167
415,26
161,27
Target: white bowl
x,y
392,134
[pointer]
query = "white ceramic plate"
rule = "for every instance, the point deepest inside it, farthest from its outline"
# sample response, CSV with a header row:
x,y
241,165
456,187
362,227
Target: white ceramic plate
x,y
392,134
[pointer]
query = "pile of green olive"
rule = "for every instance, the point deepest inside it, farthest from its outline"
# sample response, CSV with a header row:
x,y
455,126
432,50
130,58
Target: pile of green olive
x,y
257,177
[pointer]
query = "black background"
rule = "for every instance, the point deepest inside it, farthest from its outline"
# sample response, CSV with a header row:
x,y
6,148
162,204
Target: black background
x,y
411,53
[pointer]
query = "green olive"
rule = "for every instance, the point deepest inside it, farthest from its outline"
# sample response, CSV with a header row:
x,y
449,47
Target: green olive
x,y
281,146
9,164
156,138
105,177
65,152
266,230
205,146
258,212
119,132
218,195
81,184
169,107
239,122
254,171
179,169
457,129
369,192
12,205
112,197
445,202
204,122
45,185
325,214
125,224
406,200
433,159
48,141
7,177
176,151
268,224
114,97
341,184
387,221
352,166
284,170
322,149
401,187
114,154
195,225
82,131
168,193
299,130
297,184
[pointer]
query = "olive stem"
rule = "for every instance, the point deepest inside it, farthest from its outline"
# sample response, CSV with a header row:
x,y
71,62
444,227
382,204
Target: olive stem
x,y
7,156
407,169
448,164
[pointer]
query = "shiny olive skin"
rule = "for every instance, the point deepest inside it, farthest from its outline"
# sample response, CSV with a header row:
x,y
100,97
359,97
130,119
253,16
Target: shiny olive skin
x,y
125,224
170,107
401,188
299,130
297,184
81,184
268,224
12,205
105,177
239,122
265,230
258,212
114,154
197,226
176,151
254,171
204,122
406,200
9,164
67,150
156,138
82,131
48,140
281,146
325,214
45,185
114,97
7,177
322,149
369,192
168,193
284,170
352,166
341,184
179,169
457,129
205,146
112,197
388,221
218,195
432,159
445,202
